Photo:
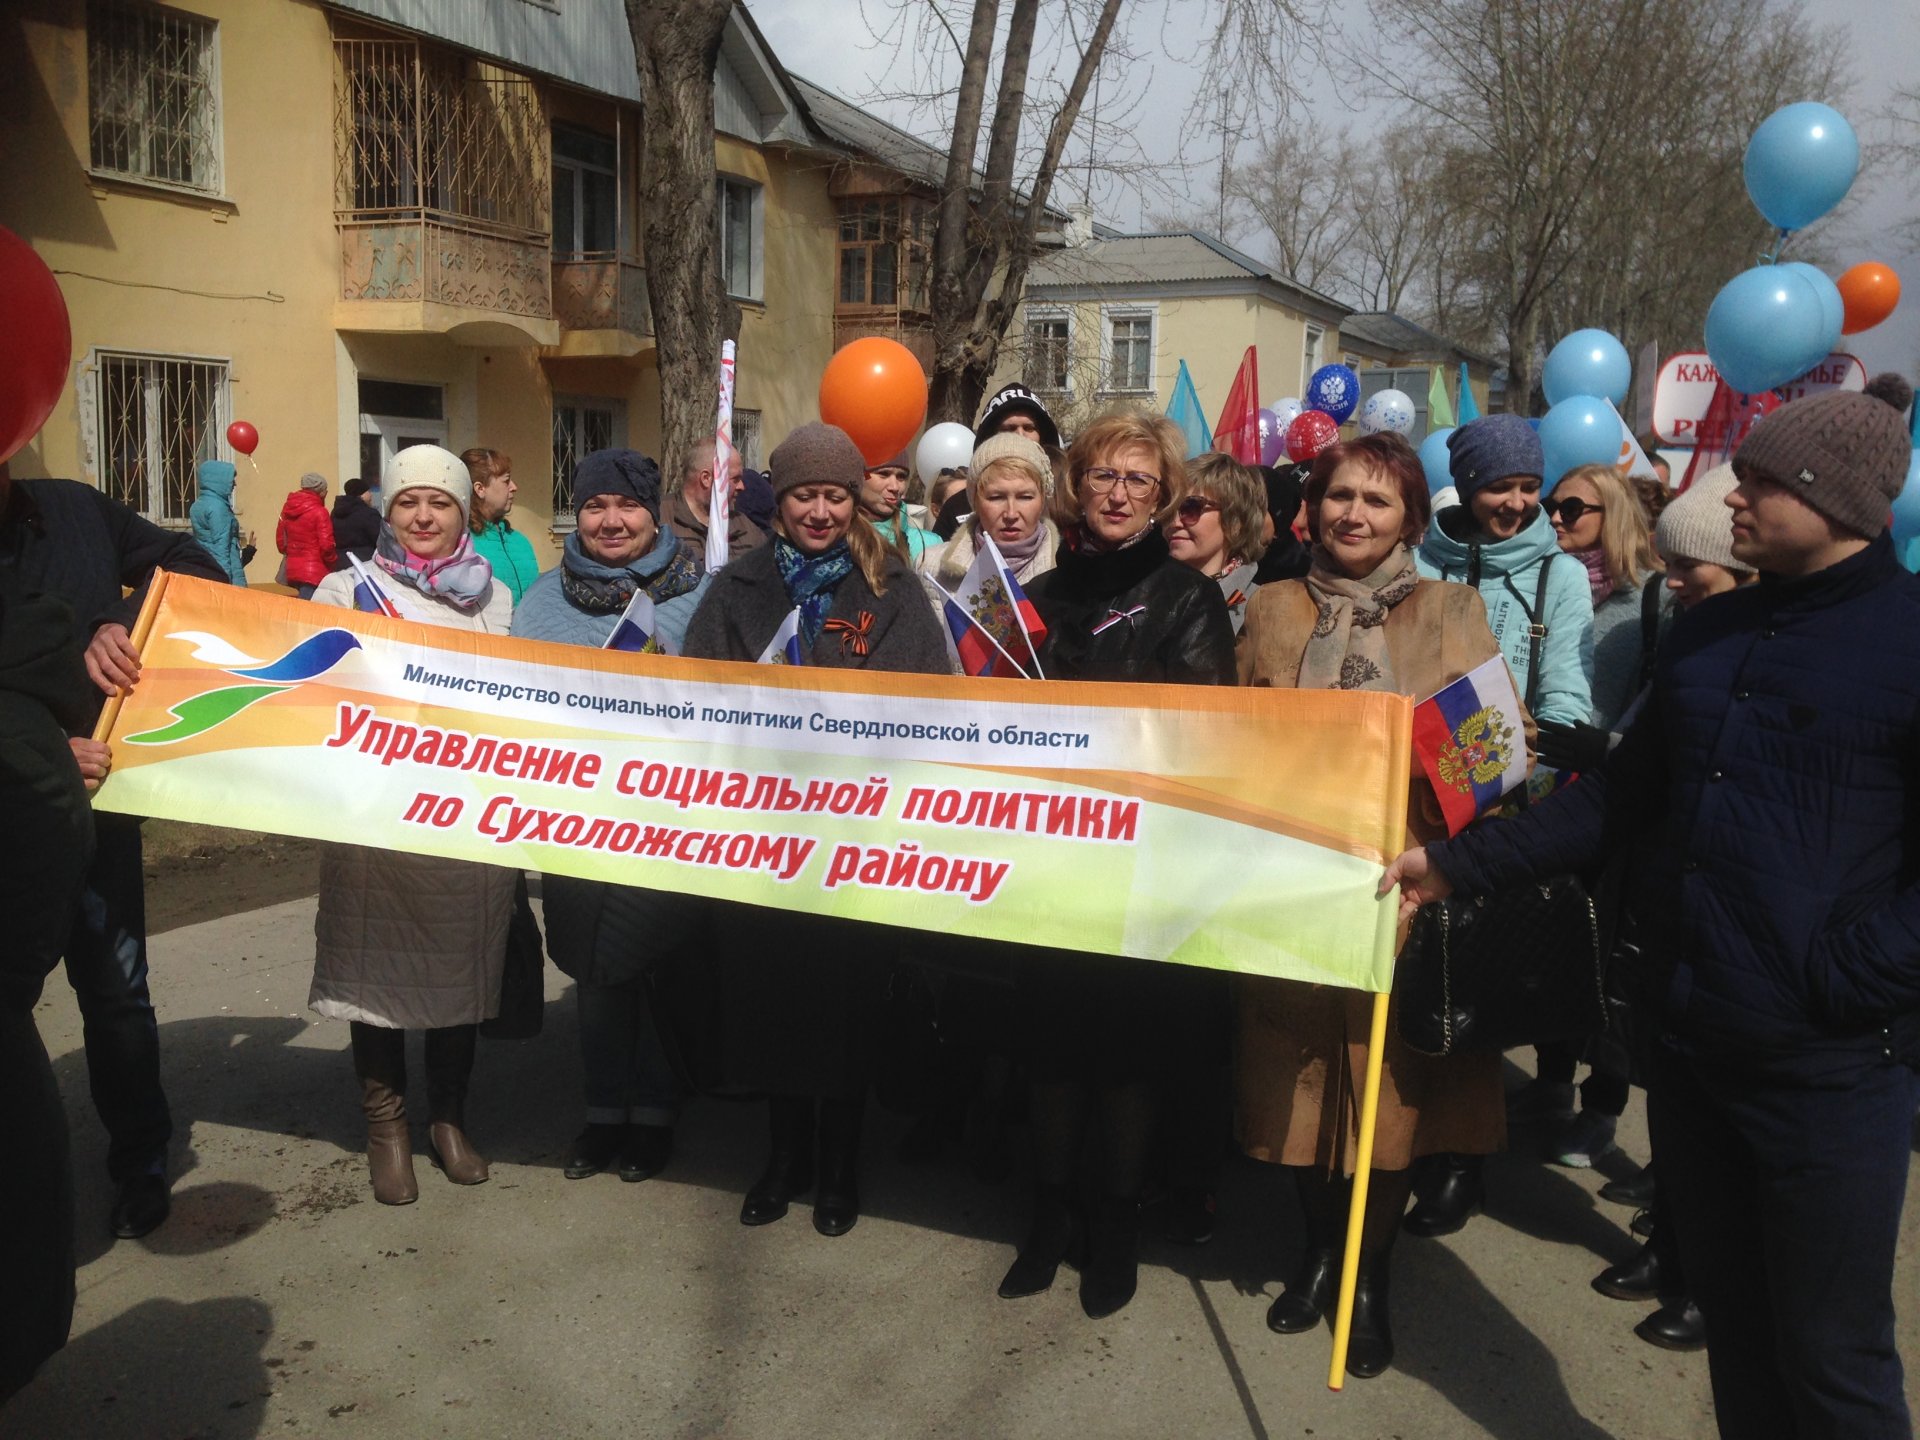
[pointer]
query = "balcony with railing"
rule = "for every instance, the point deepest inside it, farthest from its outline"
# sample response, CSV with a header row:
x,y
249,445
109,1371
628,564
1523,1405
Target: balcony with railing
x,y
601,303
442,180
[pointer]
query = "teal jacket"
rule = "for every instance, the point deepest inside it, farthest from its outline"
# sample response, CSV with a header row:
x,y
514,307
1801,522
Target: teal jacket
x,y
510,554
918,541
1509,583
214,527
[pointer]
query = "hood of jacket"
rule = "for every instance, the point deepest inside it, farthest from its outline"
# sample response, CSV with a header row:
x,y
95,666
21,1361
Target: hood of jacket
x,y
1447,552
302,502
216,478
345,506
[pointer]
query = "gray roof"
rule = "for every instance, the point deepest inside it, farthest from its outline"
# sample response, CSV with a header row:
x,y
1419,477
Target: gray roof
x,y
584,42
848,125
1162,258
1386,330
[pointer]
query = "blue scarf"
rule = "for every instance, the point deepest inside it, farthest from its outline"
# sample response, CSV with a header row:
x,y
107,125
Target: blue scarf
x,y
811,581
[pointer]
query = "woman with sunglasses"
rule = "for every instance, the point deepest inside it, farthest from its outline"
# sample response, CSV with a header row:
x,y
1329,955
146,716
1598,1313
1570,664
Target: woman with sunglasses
x,y
1221,527
1599,521
1107,1039
1539,605
1363,619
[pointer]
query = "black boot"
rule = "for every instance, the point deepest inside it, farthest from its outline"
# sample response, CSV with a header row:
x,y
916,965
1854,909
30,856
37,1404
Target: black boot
x,y
593,1150
836,1204
1370,1340
1635,1190
1050,1239
1676,1325
1309,1294
1112,1270
1456,1194
789,1169
1641,1278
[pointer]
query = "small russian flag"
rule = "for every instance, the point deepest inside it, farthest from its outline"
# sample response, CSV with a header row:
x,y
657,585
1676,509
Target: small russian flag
x,y
634,630
1471,740
368,594
784,648
996,629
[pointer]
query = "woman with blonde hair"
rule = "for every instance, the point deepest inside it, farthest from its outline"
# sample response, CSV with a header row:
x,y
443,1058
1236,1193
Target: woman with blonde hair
x,y
1220,529
1009,486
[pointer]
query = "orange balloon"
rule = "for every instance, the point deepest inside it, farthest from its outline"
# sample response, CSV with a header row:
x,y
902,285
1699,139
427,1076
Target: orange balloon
x,y
876,391
1868,293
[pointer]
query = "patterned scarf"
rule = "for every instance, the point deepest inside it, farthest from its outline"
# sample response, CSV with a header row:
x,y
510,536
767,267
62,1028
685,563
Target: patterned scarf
x,y
1348,647
1599,578
811,581
603,590
461,579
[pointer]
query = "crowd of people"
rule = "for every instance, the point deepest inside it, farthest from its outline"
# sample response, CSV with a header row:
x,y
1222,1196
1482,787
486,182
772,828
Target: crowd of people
x,y
1733,686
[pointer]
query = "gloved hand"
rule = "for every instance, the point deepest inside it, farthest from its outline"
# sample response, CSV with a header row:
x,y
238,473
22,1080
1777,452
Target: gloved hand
x,y
247,552
1579,748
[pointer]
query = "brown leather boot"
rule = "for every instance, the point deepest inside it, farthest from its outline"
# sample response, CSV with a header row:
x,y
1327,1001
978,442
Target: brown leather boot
x,y
449,1063
389,1144
460,1162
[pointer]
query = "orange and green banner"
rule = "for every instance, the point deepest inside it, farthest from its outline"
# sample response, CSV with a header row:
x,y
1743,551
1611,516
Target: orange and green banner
x,y
1243,829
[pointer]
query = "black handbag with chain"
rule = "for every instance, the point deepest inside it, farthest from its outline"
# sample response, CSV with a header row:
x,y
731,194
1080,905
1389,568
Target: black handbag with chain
x,y
1523,966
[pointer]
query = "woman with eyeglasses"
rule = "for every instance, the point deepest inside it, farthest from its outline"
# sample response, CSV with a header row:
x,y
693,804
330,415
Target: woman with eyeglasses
x,y
1106,1039
1539,605
1221,528
1363,619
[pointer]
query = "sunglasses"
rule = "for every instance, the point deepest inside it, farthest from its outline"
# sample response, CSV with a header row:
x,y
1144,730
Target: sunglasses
x,y
1193,508
1569,510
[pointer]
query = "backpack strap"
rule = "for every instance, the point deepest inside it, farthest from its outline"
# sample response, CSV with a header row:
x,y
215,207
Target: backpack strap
x,y
1650,625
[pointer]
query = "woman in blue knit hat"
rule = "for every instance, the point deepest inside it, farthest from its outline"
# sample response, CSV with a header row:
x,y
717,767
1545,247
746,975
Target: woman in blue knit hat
x,y
1540,607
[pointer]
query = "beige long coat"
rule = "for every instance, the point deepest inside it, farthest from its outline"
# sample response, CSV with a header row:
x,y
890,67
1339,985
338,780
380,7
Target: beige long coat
x,y
1301,1050
411,942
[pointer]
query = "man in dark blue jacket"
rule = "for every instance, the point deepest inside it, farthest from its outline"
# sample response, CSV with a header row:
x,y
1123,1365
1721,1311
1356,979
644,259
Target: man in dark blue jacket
x,y
1767,806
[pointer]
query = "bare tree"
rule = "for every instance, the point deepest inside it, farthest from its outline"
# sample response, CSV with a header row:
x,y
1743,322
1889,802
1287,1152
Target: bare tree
x,y
676,43
1299,190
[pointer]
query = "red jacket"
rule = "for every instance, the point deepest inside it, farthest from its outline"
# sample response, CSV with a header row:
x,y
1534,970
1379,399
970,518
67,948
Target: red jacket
x,y
305,537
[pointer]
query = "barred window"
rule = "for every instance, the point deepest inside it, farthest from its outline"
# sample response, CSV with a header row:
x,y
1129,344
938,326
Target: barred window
x,y
746,437
580,427
159,418
153,93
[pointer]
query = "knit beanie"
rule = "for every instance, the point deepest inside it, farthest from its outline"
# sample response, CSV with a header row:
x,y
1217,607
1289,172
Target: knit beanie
x,y
816,454
894,462
618,472
1008,399
1492,448
428,467
1843,452
1006,446
313,480
1697,525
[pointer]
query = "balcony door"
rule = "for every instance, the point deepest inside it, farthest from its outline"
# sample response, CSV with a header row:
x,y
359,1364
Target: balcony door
x,y
394,415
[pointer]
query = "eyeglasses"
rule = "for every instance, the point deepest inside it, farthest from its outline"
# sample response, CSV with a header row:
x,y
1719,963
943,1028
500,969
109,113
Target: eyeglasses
x,y
1569,510
1100,480
1194,507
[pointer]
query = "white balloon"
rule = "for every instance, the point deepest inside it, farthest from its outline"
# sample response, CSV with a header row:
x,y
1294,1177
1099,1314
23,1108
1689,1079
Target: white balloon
x,y
1387,410
946,446
1285,412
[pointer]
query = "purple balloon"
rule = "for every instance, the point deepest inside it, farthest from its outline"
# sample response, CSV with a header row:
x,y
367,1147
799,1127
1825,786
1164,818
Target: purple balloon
x,y
1273,440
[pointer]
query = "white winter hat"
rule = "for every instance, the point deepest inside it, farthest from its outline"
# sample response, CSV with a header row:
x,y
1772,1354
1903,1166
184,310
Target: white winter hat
x,y
428,467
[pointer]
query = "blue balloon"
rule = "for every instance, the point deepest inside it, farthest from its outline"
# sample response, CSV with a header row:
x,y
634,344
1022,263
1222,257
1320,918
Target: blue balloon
x,y
1766,326
1833,310
1434,460
1590,362
1801,163
1335,390
1581,431
1906,511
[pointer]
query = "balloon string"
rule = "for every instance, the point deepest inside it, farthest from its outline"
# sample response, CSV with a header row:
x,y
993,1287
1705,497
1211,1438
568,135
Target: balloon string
x,y
1774,254
253,462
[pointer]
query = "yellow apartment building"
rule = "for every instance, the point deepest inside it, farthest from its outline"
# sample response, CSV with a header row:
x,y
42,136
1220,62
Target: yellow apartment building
x,y
368,223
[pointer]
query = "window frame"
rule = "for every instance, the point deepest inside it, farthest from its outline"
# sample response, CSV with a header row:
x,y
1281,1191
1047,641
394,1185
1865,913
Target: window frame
x,y
1312,343
212,446
1048,315
574,172
1412,381
215,188
1112,313
755,195
561,518
748,432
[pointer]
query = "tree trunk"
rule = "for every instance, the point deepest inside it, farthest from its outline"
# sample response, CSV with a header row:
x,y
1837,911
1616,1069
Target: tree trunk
x,y
676,43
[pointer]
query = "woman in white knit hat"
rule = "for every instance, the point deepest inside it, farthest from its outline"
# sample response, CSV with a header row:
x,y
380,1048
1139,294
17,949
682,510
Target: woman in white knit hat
x,y
414,942
1009,487
1695,534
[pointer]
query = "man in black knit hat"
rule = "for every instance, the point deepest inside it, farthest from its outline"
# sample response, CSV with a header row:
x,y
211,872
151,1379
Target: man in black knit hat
x,y
1766,804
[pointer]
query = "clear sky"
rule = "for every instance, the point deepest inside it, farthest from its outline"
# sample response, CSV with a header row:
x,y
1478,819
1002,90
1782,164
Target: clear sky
x,y
823,40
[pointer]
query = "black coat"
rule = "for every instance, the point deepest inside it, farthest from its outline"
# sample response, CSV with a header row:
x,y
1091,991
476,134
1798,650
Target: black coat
x,y
69,540
356,529
1183,636
1766,801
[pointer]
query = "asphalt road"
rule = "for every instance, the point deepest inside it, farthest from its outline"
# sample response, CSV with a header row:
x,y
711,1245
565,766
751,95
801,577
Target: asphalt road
x,y
280,1300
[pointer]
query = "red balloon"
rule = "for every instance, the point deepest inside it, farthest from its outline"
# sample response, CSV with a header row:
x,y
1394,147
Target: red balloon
x,y
33,362
876,391
1311,432
243,437
1868,293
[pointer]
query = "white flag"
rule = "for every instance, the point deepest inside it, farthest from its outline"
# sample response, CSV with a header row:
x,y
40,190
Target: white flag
x,y
720,502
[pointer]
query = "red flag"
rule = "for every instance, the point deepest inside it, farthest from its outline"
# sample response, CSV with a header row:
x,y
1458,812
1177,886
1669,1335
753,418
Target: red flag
x,y
1238,433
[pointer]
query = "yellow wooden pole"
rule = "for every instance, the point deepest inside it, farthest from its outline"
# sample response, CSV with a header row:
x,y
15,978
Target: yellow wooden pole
x,y
142,628
1362,1174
